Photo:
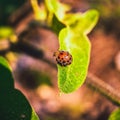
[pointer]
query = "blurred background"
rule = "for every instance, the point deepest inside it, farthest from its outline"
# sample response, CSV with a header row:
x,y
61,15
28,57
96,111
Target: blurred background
x,y
35,70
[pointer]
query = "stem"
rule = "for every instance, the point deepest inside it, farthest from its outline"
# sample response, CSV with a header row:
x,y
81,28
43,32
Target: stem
x,y
103,88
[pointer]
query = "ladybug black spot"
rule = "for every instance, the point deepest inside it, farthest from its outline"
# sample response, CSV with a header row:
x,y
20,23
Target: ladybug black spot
x,y
63,58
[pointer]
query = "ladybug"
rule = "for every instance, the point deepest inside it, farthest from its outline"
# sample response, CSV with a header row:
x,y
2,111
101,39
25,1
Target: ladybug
x,y
63,58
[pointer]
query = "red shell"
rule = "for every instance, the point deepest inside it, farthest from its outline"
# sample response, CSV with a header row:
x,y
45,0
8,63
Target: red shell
x,y
63,58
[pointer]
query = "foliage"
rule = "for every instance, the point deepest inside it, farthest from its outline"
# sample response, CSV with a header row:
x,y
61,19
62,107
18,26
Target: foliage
x,y
73,38
6,32
13,104
115,115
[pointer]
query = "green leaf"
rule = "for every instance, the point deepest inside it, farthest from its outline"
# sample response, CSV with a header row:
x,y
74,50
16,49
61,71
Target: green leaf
x,y
73,38
86,22
34,116
54,6
5,32
6,78
72,77
115,115
56,25
13,104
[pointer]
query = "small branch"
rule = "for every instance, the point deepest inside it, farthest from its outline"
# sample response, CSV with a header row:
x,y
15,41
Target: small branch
x,y
91,81
103,88
20,14
22,47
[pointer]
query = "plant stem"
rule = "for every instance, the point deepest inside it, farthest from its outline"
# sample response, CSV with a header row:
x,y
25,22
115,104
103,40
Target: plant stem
x,y
103,88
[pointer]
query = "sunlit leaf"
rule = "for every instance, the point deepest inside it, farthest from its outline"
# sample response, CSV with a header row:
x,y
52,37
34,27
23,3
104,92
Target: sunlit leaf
x,y
5,32
72,77
34,116
115,115
39,10
57,8
73,38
